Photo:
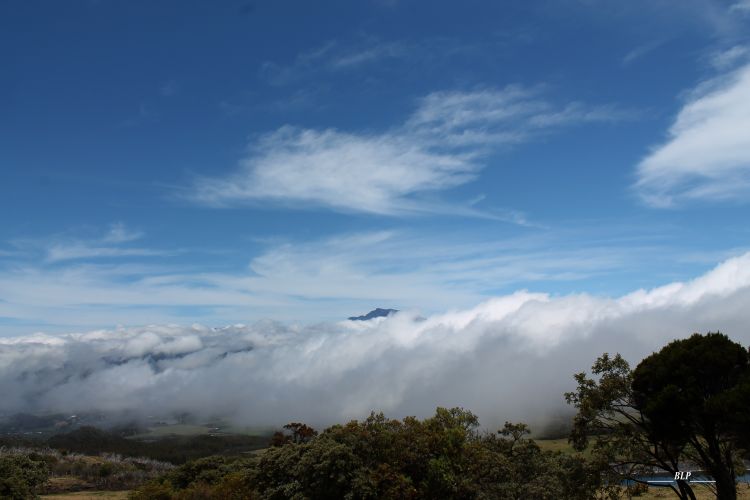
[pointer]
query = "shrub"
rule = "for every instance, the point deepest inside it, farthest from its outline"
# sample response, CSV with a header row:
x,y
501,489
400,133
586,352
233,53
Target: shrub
x,y
21,477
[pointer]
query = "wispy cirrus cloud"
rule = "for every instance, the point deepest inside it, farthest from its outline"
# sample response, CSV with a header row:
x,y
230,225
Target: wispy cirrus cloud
x,y
716,19
499,116
742,7
169,88
730,58
707,154
439,146
641,51
332,56
115,242
109,245
119,233
316,279
83,250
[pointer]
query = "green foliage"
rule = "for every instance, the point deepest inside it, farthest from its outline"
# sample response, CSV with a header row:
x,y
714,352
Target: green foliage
x,y
219,478
108,472
234,486
21,477
380,458
155,490
204,470
321,468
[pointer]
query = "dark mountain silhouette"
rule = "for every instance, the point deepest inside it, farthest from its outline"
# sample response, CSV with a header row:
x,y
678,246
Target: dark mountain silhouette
x,y
375,313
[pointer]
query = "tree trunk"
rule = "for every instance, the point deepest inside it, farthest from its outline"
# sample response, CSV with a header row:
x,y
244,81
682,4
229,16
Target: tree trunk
x,y
686,492
726,489
722,469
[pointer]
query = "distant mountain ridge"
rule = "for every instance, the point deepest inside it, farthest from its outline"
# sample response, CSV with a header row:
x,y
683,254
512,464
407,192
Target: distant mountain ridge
x,y
375,313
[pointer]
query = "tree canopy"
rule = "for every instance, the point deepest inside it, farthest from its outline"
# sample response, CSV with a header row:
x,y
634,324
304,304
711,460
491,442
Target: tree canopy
x,y
443,456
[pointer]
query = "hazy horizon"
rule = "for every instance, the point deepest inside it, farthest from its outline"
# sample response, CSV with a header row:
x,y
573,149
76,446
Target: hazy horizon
x,y
510,358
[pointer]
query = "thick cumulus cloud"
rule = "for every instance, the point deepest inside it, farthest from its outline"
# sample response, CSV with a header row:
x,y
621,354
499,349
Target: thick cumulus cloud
x,y
511,357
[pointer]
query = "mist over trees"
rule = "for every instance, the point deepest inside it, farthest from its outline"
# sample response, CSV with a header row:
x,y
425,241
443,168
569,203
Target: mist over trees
x,y
683,408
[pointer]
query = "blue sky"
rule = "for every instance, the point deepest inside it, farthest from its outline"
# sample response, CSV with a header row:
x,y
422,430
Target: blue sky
x,y
191,161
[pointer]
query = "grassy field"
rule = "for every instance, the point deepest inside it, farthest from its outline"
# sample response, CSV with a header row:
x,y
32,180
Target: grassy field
x,y
188,430
701,493
173,430
555,445
560,445
89,495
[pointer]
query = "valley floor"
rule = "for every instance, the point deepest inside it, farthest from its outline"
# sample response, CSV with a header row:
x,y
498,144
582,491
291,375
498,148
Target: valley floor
x,y
89,495
743,493
654,493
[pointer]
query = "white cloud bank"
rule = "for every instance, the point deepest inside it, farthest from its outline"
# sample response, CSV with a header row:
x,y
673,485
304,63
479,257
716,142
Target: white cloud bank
x,y
511,357
707,155
438,147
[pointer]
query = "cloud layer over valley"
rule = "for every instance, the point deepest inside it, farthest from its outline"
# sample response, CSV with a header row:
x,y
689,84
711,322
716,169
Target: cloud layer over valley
x,y
511,357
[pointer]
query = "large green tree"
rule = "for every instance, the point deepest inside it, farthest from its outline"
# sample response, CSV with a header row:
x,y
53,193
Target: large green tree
x,y
696,395
683,407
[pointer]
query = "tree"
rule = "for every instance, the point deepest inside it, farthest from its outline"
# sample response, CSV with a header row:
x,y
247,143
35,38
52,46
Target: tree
x,y
686,404
622,437
279,439
301,433
695,394
21,476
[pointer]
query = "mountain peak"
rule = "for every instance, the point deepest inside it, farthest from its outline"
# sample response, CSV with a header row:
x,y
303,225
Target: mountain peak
x,y
375,313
